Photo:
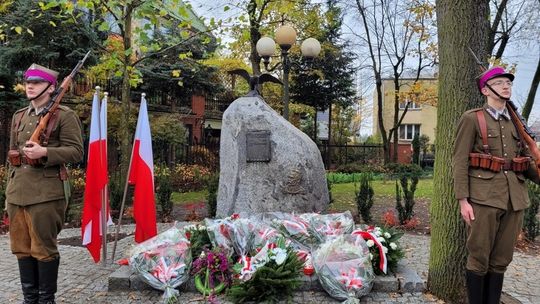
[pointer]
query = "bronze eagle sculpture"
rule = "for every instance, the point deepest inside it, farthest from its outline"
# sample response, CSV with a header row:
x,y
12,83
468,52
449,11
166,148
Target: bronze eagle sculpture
x,y
255,80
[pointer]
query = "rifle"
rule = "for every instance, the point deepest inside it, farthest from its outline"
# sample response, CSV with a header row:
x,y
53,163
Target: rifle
x,y
49,111
519,122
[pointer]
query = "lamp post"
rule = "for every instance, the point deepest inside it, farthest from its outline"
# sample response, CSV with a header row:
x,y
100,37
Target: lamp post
x,y
286,38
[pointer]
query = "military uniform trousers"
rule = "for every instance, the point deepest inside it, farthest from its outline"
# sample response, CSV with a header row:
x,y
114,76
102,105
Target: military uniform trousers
x,y
34,229
492,237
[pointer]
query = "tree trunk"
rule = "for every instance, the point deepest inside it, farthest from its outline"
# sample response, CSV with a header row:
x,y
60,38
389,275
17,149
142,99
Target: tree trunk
x,y
461,24
125,146
532,92
255,35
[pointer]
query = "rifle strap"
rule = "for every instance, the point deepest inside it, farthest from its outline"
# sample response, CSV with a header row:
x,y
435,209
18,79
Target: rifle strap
x,y
480,115
516,122
50,126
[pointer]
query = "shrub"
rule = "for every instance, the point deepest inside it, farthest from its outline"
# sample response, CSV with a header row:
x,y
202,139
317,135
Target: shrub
x,y
212,184
329,187
186,178
364,197
164,190
416,149
116,192
531,224
361,167
408,176
77,181
204,157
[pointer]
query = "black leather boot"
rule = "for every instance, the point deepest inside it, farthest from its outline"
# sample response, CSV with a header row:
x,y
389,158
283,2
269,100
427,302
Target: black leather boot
x,y
48,275
494,283
475,287
28,270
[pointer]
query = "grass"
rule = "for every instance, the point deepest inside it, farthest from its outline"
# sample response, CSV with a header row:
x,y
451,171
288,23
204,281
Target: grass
x,y
344,194
189,197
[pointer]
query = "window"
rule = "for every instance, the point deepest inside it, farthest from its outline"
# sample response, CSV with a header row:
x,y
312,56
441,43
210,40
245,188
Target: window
x,y
407,132
412,106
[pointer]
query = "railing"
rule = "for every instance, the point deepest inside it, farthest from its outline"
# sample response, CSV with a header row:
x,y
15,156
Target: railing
x,y
336,155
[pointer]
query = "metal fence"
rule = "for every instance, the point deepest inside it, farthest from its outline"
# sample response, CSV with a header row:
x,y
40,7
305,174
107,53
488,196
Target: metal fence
x,y
207,154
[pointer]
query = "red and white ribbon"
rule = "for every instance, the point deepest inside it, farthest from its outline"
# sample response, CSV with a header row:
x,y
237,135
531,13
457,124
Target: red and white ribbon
x,y
368,235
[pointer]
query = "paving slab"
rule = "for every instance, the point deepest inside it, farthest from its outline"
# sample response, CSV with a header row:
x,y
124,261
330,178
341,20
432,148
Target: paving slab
x,y
82,281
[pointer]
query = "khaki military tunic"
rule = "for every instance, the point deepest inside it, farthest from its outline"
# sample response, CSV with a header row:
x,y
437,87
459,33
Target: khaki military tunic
x,y
497,198
483,186
29,185
35,195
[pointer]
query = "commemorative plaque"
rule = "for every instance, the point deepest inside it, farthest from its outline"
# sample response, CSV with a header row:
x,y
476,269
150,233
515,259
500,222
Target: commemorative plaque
x,y
258,146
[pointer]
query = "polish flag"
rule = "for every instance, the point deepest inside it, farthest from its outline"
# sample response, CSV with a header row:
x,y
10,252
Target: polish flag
x,y
141,175
96,180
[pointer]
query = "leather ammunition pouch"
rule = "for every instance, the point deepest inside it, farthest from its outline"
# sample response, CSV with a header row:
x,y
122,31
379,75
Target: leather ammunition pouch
x,y
487,161
521,164
496,164
14,158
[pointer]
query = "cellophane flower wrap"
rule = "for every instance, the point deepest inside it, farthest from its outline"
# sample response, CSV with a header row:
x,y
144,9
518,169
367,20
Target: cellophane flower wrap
x,y
325,226
343,267
220,234
242,234
163,261
297,228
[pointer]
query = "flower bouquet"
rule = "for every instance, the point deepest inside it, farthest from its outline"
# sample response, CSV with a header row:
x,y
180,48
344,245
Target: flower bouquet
x,y
241,235
331,225
163,261
219,232
198,238
272,273
343,267
264,234
385,250
211,271
296,227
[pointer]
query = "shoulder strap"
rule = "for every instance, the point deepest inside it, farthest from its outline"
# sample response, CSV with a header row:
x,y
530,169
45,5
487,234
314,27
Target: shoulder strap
x,y
480,115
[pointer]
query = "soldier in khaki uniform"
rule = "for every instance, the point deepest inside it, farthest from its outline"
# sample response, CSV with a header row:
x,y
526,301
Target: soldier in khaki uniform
x,y
35,193
492,193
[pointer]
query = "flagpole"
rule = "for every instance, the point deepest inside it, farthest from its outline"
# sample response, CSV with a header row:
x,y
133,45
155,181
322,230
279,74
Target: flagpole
x,y
123,201
104,196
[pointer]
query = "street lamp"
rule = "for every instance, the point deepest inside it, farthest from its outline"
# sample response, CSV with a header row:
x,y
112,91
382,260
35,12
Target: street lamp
x,y
286,37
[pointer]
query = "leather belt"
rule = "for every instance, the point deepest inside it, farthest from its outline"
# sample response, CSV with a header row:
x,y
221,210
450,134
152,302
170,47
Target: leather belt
x,y
25,161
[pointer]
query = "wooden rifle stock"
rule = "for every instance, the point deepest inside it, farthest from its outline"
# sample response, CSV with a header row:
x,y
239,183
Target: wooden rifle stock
x,y
531,143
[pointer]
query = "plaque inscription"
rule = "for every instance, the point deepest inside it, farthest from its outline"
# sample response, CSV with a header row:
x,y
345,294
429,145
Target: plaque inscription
x,y
258,146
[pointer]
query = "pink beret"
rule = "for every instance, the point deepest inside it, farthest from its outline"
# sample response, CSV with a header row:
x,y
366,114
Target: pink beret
x,y
37,72
494,72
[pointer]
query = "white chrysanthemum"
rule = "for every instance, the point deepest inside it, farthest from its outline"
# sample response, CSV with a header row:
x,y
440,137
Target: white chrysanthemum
x,y
384,249
370,243
280,255
371,256
387,235
393,246
381,240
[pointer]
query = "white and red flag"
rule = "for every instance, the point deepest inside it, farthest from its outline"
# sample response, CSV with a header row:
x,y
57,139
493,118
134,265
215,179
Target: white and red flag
x,y
141,175
95,194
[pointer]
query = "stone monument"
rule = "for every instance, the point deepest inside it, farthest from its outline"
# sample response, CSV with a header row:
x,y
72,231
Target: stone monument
x,y
267,164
